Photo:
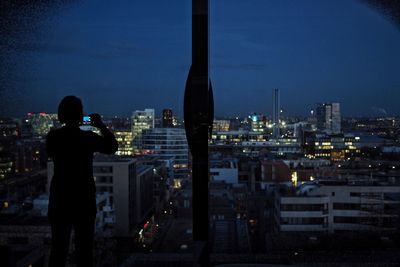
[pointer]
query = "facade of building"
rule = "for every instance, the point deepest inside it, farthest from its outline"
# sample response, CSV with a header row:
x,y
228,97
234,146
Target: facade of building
x,y
224,170
236,137
329,117
7,165
125,142
141,120
9,128
221,125
8,135
333,146
167,120
338,208
29,155
280,147
167,143
274,173
257,123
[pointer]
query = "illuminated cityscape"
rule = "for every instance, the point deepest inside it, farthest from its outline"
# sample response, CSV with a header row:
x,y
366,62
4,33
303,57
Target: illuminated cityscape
x,y
309,183
250,133
141,119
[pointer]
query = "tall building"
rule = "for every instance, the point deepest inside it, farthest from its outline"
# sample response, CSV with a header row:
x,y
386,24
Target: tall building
x,y
7,167
9,128
125,140
312,120
141,119
257,123
167,143
29,155
167,119
329,118
276,107
9,132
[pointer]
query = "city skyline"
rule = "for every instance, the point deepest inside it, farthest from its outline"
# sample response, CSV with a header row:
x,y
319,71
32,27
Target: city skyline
x,y
285,150
119,58
311,112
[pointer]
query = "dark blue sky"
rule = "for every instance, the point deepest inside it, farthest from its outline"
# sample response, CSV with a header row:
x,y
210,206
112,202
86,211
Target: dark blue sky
x,y
119,56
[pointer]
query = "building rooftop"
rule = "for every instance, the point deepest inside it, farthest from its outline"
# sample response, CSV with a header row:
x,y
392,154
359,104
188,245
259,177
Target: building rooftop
x,y
223,163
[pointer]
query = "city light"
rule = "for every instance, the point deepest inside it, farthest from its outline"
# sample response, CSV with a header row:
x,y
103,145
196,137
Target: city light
x,y
294,178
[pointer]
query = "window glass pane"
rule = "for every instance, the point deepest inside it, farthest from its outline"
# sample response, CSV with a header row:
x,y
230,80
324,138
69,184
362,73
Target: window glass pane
x,y
127,61
304,150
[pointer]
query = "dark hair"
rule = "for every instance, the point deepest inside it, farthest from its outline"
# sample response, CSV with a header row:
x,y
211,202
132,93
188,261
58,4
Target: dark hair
x,y
70,110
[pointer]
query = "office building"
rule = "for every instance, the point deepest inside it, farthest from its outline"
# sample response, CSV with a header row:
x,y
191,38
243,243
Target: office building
x,y
7,167
330,208
167,120
29,155
221,125
167,143
257,123
329,117
124,138
141,119
225,170
237,137
9,128
312,120
334,147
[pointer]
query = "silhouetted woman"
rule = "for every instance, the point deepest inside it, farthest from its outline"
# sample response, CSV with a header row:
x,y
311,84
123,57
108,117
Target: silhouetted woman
x,y
72,202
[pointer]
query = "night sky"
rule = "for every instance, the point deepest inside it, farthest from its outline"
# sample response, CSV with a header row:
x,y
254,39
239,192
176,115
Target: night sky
x,y
119,56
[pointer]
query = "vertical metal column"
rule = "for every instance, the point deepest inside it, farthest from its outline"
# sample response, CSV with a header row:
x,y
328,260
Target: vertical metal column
x,y
198,115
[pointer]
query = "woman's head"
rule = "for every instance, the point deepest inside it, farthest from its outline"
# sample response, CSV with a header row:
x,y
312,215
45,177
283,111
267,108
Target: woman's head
x,y
70,110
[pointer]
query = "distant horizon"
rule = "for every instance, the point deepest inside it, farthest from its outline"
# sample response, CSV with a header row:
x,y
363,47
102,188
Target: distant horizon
x,y
158,113
374,111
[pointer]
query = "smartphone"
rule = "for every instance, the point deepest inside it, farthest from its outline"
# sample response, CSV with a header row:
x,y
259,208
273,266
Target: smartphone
x,y
87,120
